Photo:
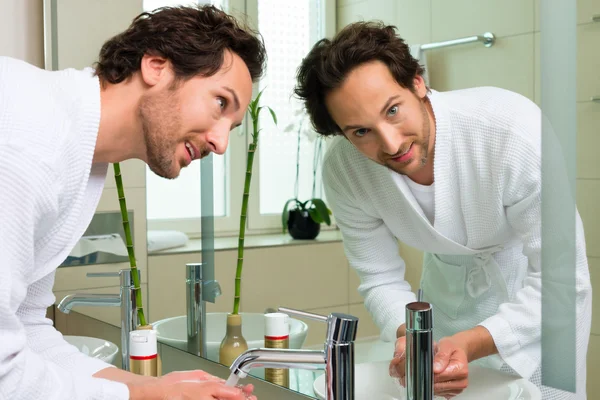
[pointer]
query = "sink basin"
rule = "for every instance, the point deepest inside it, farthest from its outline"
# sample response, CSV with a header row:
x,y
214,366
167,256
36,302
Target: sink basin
x,y
173,332
94,347
373,381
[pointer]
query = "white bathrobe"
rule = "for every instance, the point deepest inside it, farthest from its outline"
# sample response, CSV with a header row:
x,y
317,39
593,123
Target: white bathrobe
x,y
482,263
49,190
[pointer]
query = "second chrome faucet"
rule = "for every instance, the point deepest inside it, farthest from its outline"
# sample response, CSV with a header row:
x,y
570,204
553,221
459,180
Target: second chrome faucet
x,y
419,351
197,289
124,299
337,357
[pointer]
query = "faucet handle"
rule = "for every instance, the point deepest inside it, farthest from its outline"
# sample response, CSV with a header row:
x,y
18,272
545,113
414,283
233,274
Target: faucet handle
x,y
124,274
303,314
103,274
341,328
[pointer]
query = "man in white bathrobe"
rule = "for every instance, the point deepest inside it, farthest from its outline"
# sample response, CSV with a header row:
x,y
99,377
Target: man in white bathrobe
x,y
167,91
456,174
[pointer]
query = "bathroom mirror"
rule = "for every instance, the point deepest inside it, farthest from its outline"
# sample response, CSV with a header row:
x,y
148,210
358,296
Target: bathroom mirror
x,y
449,38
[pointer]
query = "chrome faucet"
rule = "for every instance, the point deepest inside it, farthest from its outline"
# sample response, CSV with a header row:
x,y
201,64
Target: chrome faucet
x,y
197,291
419,350
337,359
125,299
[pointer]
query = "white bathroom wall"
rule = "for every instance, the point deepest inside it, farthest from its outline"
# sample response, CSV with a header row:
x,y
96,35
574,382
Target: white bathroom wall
x,y
512,63
21,30
84,26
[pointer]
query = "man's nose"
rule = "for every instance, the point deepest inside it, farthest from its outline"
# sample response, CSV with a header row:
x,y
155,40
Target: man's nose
x,y
217,138
390,140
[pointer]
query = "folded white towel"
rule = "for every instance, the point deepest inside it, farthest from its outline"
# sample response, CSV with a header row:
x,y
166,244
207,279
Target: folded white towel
x,y
162,240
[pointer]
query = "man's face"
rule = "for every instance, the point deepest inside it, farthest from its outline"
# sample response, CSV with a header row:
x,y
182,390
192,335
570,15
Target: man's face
x,y
386,122
190,119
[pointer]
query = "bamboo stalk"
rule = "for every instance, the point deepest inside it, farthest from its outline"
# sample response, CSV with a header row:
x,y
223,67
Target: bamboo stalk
x,y
240,261
129,242
254,110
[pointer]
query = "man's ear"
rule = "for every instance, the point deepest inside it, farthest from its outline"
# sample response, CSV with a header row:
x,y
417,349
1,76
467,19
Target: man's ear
x,y
154,69
420,86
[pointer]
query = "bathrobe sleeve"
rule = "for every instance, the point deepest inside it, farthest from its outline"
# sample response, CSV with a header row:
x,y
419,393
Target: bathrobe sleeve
x,y
516,327
373,252
35,362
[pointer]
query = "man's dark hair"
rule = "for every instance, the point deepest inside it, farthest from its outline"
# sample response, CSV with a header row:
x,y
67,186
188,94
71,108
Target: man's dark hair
x,y
330,61
192,38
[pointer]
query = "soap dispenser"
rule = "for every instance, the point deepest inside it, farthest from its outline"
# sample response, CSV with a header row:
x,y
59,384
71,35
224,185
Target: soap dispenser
x,y
233,343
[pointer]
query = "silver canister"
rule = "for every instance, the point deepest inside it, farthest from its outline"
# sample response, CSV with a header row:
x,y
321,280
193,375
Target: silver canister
x,y
419,351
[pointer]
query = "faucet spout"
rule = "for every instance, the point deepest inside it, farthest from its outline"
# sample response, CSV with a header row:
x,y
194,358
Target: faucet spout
x,y
92,299
278,358
337,357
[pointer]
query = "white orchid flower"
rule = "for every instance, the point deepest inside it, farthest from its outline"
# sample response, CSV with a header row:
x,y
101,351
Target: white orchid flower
x,y
301,121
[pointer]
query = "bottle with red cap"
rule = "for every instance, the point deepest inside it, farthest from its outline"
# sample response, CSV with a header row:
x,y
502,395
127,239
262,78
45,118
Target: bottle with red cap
x,y
277,336
143,352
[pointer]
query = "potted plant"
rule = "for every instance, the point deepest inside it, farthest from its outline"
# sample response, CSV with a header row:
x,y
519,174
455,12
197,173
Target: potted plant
x,y
234,343
303,219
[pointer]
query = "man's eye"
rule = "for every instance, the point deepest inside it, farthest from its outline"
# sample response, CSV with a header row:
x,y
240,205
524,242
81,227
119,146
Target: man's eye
x,y
361,132
393,111
222,102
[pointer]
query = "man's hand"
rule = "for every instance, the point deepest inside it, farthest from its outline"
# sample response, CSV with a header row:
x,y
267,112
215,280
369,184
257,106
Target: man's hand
x,y
188,389
192,385
450,368
198,375
450,365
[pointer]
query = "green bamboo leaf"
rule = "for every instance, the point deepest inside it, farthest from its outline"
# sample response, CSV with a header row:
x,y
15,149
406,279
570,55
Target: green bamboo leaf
x,y
322,210
273,115
255,135
255,104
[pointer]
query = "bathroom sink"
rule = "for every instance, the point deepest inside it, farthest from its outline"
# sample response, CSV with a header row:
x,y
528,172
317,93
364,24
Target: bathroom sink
x,y
173,332
372,381
94,347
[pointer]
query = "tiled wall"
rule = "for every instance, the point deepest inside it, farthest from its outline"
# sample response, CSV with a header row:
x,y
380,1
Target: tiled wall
x,y
512,63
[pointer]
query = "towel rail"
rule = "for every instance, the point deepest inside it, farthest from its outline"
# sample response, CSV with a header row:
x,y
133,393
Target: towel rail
x,y
596,18
487,39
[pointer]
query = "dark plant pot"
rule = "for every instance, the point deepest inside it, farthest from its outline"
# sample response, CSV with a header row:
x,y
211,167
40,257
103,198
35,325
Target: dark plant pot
x,y
301,225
